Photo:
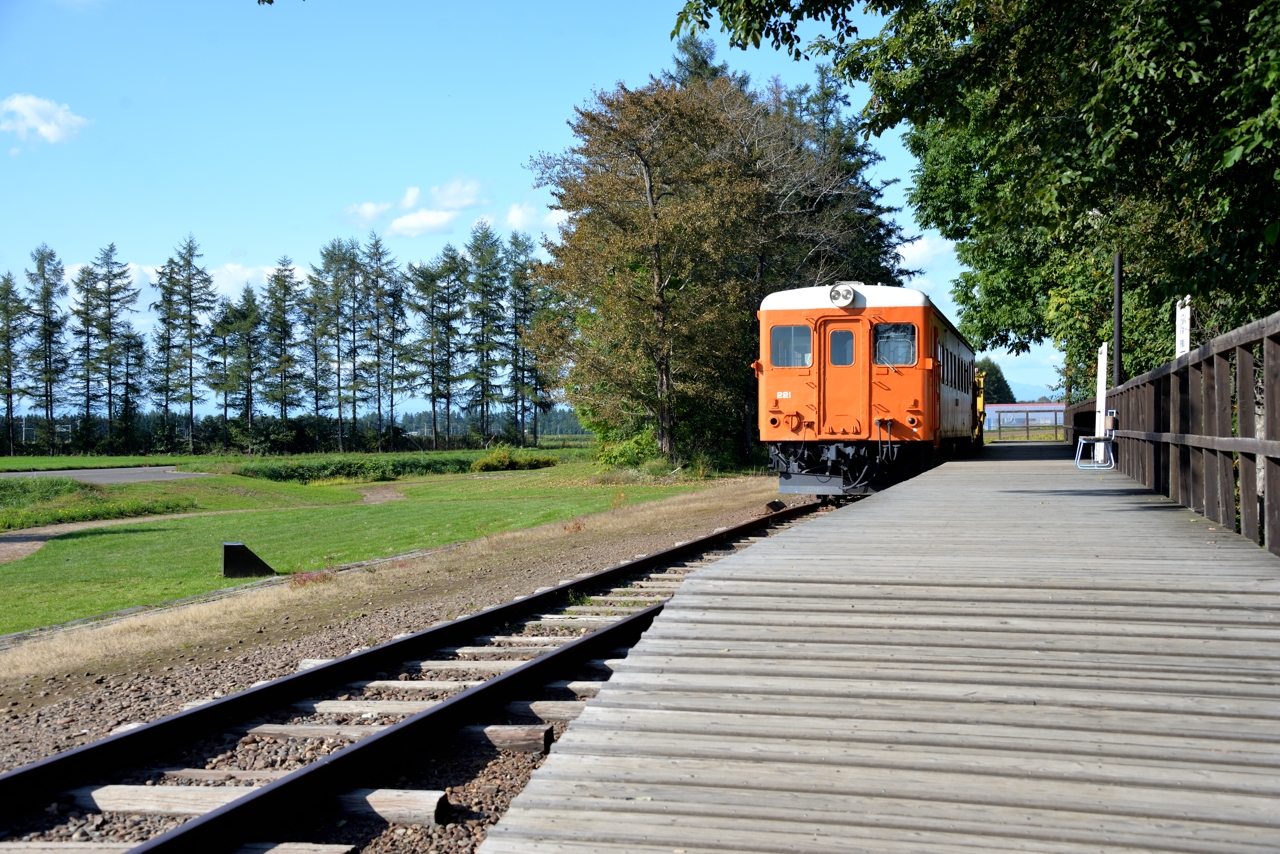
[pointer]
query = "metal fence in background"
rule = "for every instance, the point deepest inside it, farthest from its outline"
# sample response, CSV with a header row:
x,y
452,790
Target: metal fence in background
x,y
1030,423
1204,430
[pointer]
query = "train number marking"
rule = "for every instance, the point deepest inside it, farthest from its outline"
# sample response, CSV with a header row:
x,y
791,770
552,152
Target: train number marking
x,y
783,394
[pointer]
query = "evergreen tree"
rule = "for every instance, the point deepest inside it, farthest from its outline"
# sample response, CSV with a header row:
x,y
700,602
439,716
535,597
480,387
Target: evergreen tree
x,y
440,301
523,306
995,387
168,367
87,347
195,298
282,371
14,323
245,356
334,282
378,273
218,349
350,315
133,359
116,296
315,325
46,359
399,347
487,332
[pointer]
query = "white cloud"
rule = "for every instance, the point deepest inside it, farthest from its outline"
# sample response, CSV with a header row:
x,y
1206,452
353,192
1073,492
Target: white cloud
x,y
928,252
367,212
26,114
456,195
522,217
229,279
410,198
554,218
422,222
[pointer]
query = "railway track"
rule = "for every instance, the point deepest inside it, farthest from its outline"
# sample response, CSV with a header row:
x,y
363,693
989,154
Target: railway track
x,y
359,729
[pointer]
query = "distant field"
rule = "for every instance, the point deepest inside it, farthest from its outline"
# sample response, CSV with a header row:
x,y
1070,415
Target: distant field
x,y
56,463
103,569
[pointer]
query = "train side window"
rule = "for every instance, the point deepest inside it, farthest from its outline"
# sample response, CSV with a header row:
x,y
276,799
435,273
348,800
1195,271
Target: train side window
x,y
895,344
841,347
792,346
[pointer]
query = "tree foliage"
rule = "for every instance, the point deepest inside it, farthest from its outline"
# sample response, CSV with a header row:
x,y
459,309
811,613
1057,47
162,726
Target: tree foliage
x,y
1051,135
687,201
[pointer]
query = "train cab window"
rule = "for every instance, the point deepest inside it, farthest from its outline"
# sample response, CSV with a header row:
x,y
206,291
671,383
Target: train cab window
x,y
841,347
895,344
792,346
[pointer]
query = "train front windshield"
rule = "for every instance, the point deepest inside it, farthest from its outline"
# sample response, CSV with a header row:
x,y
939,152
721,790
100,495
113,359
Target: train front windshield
x,y
791,346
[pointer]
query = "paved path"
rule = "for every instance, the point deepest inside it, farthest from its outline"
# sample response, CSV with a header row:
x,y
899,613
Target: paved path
x,y
136,474
1005,654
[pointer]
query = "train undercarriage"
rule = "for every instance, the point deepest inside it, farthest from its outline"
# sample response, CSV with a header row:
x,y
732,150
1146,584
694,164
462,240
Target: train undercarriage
x,y
852,468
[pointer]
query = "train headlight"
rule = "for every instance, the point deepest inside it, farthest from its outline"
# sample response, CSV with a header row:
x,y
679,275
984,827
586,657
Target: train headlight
x,y
842,293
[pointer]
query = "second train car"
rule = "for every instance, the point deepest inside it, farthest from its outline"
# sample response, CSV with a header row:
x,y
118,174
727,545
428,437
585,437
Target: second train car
x,y
862,386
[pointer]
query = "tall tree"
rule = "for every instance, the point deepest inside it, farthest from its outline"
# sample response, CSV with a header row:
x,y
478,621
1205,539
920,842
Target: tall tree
x,y
378,273
245,364
219,350
116,297
995,387
337,278
195,298
282,369
133,363
523,306
440,301
168,368
487,331
14,324
315,326
46,359
87,347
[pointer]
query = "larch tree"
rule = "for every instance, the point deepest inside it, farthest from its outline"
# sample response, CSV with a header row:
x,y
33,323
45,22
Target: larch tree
x,y
245,360
117,297
218,350
133,377
195,298
523,306
315,326
86,347
487,333
46,357
14,323
282,375
337,280
439,298
168,368
378,273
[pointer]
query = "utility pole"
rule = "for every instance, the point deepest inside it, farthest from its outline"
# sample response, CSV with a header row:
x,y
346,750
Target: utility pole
x,y
1115,322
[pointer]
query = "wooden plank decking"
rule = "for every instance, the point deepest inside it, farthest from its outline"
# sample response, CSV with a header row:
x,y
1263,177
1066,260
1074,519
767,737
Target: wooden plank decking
x,y
1005,654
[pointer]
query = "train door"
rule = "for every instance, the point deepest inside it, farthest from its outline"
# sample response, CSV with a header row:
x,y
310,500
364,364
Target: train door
x,y
844,411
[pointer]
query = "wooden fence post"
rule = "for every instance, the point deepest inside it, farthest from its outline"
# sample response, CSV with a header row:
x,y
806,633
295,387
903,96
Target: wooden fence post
x,y
1246,405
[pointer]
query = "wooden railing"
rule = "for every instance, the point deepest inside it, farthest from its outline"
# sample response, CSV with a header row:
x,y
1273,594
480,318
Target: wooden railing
x,y
1205,430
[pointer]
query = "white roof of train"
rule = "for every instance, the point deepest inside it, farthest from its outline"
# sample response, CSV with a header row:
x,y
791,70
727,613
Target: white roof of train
x,y
865,296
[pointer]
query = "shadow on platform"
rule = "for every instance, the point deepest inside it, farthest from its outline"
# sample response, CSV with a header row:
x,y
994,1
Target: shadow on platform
x,y
1027,451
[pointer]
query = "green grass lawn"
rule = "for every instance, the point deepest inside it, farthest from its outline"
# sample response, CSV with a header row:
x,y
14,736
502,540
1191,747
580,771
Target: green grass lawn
x,y
104,569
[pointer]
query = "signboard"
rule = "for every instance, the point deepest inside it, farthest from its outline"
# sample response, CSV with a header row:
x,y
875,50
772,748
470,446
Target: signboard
x,y
1182,327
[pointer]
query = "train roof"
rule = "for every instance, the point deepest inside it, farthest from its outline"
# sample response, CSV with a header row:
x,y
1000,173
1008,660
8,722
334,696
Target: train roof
x,y
865,296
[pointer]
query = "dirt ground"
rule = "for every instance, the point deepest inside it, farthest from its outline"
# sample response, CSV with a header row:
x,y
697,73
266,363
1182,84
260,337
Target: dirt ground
x,y
76,686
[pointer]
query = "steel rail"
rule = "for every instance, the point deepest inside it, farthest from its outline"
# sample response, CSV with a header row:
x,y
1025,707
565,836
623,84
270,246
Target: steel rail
x,y
265,813
42,781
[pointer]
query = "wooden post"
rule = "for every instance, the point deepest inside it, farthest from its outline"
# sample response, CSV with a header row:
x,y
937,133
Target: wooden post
x,y
1226,462
1246,403
1180,414
1209,427
1271,430
1195,426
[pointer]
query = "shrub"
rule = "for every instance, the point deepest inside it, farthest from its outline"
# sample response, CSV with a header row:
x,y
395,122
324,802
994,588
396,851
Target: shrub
x,y
503,460
630,452
352,468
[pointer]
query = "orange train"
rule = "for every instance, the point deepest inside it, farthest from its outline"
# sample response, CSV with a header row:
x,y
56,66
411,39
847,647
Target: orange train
x,y
862,386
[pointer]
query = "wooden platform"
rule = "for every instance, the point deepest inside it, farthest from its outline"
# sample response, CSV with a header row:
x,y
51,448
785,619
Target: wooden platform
x,y
1005,654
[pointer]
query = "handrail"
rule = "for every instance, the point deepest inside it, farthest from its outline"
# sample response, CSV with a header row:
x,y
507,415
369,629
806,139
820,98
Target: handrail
x,y
1191,429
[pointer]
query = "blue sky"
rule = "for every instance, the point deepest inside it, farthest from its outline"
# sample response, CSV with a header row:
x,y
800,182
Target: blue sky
x,y
268,130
